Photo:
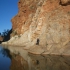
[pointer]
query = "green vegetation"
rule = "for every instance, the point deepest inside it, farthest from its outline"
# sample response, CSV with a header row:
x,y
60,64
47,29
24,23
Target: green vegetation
x,y
6,35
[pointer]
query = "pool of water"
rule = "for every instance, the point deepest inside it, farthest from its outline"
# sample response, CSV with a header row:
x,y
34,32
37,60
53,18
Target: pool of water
x,y
15,58
5,61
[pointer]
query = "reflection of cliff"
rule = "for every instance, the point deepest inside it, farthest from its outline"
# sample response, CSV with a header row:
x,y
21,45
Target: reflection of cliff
x,y
18,63
50,62
1,39
21,60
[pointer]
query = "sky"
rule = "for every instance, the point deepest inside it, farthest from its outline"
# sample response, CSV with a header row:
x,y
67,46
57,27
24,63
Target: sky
x,y
8,9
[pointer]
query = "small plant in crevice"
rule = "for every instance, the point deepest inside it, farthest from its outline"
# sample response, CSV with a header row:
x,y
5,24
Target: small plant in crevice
x,y
32,7
68,12
46,44
19,36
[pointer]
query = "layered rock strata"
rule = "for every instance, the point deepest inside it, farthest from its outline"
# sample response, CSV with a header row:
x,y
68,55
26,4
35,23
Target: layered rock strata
x,y
42,24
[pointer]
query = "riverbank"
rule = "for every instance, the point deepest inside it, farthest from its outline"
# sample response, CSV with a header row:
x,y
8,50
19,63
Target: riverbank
x,y
54,49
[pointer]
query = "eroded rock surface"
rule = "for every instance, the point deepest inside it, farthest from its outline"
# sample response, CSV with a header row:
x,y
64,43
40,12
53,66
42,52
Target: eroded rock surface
x,y
46,20
65,2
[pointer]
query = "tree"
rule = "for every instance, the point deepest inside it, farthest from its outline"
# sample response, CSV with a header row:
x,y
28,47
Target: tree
x,y
5,32
0,34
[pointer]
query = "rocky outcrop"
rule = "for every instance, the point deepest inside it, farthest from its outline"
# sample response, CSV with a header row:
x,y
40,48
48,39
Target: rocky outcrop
x,y
42,22
1,39
65,2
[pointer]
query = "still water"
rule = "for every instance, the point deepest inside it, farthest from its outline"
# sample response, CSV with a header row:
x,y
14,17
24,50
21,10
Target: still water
x,y
5,61
15,58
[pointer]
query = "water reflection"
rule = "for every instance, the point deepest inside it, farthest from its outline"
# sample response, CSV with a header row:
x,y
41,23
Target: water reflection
x,y
4,60
21,60
50,62
18,63
5,52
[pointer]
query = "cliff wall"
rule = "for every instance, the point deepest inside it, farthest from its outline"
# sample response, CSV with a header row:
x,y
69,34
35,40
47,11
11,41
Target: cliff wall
x,y
1,39
43,25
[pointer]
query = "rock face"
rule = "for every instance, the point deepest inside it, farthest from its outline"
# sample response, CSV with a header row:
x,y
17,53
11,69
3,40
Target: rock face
x,y
1,39
42,22
65,2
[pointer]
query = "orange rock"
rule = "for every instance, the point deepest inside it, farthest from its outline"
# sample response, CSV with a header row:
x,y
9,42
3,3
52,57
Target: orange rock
x,y
1,38
65,2
46,20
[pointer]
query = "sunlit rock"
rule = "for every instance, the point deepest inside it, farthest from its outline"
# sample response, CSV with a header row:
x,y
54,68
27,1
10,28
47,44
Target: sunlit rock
x,y
46,20
65,2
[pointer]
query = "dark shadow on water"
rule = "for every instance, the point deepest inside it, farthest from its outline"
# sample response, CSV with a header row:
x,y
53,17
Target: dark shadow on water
x,y
5,59
6,52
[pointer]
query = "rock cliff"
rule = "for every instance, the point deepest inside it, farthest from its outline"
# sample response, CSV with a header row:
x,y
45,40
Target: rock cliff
x,y
1,39
42,26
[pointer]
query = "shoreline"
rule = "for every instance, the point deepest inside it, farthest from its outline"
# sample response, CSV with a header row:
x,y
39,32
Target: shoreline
x,y
35,52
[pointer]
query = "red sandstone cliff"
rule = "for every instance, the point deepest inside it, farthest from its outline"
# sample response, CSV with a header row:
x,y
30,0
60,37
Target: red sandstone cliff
x,y
46,22
1,38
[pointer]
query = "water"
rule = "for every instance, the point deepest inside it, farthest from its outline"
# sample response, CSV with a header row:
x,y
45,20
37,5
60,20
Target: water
x,y
15,58
5,61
